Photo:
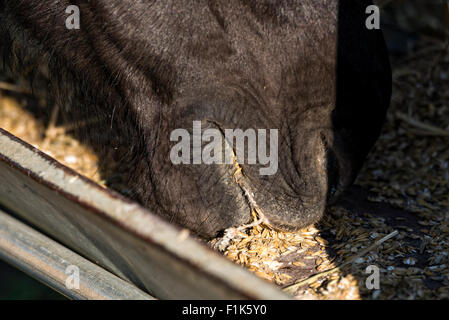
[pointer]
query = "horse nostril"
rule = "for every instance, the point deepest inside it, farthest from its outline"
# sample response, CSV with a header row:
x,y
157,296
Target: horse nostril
x,y
333,175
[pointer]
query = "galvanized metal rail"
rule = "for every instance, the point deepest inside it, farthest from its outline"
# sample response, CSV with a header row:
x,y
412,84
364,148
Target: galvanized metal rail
x,y
58,267
116,233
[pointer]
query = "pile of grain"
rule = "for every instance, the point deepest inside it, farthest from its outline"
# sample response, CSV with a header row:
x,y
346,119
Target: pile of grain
x,y
15,118
409,169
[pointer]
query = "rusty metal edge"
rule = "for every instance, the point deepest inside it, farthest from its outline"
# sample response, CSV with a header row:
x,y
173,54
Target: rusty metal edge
x,y
126,227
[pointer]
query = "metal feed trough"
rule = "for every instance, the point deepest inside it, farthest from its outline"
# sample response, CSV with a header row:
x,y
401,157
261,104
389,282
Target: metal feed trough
x,y
122,250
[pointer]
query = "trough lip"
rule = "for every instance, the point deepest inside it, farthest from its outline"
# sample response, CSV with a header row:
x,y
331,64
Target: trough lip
x,y
122,224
